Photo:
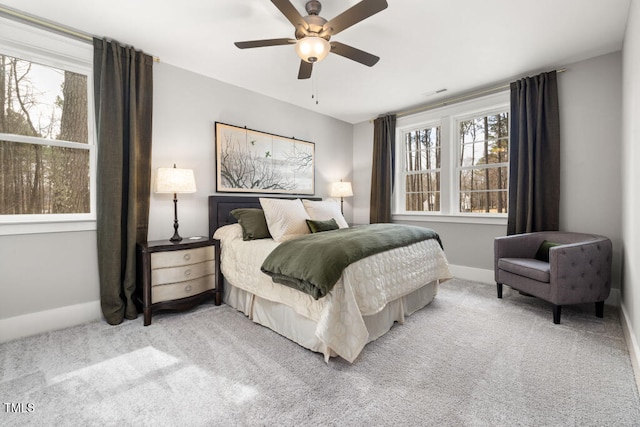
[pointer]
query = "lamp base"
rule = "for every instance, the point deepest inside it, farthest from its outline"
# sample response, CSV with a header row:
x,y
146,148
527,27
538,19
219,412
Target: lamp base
x,y
176,237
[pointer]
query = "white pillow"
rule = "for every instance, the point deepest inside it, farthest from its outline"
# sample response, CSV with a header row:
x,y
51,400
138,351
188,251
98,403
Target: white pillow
x,y
286,219
228,233
324,210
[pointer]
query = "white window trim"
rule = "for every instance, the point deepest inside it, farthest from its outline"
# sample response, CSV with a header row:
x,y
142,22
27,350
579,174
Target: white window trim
x,y
491,219
48,48
447,117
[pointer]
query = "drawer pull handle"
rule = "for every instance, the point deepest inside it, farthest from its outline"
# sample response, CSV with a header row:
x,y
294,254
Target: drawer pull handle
x,y
187,289
187,273
187,257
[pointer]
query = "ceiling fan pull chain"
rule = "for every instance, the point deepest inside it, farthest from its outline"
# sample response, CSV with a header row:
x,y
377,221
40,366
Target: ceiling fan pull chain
x,y
314,86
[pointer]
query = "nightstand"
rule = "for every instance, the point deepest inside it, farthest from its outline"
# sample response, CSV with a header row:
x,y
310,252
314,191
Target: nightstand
x,y
177,276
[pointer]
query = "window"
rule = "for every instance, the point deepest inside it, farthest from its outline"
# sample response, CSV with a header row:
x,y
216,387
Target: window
x,y
454,160
422,169
47,151
482,170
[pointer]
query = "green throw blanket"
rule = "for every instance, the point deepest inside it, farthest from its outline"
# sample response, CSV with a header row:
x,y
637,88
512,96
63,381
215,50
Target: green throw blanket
x,y
314,263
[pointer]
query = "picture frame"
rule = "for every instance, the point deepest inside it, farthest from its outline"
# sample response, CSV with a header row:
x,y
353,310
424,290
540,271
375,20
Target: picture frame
x,y
251,161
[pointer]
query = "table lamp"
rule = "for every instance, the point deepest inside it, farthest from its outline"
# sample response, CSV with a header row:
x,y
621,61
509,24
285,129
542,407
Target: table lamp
x,y
174,180
341,189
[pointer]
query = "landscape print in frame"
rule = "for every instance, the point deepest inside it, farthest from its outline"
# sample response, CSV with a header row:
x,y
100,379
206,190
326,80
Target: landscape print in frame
x,y
250,161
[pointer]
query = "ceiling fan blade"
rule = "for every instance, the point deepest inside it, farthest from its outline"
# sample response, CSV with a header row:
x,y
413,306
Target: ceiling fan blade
x,y
353,15
264,43
305,70
354,54
291,13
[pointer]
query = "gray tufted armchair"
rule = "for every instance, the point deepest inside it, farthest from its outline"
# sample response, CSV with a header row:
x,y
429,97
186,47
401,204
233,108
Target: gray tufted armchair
x,y
578,269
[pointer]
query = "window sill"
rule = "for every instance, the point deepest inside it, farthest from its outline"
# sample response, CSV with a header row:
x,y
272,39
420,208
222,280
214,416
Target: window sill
x,y
43,227
462,219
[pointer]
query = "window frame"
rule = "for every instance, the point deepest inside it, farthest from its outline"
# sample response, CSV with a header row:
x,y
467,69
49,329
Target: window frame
x,y
459,168
404,169
51,49
448,118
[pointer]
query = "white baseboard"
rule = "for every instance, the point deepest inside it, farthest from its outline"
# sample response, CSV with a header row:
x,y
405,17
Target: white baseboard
x,y
472,273
632,343
614,298
49,320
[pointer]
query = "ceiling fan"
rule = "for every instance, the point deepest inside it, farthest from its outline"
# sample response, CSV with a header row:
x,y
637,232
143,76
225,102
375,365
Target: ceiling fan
x,y
313,33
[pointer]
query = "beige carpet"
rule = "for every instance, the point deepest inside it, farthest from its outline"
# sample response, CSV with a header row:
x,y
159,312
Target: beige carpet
x,y
468,359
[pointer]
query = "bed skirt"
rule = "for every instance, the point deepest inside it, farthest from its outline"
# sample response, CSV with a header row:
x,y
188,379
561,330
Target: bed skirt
x,y
301,330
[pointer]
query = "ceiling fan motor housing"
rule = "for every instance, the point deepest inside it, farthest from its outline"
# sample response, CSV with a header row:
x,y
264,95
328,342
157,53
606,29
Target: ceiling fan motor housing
x,y
313,7
315,24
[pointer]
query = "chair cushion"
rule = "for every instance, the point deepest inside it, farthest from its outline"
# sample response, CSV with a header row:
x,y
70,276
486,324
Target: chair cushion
x,y
527,267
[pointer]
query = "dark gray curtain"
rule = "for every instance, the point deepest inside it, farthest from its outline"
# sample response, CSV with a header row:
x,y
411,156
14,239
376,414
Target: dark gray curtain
x,y
123,85
534,158
384,149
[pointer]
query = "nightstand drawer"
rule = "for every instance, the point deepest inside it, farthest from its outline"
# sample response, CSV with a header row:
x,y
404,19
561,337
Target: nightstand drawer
x,y
183,257
179,290
161,276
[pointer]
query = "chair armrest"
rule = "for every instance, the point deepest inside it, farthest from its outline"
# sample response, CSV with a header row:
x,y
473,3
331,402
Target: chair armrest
x,y
581,269
515,246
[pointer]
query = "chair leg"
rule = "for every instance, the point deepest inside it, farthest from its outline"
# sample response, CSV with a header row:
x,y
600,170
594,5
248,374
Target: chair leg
x,y
557,309
499,288
600,309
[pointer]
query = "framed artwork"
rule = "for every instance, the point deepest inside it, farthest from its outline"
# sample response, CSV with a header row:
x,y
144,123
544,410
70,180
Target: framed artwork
x,y
249,161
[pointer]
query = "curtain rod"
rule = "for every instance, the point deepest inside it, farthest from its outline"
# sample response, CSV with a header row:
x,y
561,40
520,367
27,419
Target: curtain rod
x,y
48,25
460,98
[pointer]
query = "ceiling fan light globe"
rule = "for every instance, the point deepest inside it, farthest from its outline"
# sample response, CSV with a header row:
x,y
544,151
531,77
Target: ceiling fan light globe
x,y
312,48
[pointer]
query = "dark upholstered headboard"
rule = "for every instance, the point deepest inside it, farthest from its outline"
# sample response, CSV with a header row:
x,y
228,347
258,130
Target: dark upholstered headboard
x,y
220,208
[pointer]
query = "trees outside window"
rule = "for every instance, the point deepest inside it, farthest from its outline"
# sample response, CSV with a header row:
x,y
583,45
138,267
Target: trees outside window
x,y
422,169
483,166
45,146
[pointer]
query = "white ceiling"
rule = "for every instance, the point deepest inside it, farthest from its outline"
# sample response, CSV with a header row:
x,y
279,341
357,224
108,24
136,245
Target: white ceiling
x,y
424,45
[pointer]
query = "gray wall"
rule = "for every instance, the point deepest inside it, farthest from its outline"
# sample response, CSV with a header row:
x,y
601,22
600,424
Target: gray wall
x,y
590,111
630,184
43,272
590,125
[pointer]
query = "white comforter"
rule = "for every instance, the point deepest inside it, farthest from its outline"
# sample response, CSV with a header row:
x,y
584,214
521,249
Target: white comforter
x,y
364,288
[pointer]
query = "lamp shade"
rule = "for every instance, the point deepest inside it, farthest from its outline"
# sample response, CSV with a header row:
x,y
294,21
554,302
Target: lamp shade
x,y
341,189
312,48
174,180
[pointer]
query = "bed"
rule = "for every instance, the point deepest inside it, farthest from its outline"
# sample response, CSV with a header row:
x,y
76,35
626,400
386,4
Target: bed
x,y
370,295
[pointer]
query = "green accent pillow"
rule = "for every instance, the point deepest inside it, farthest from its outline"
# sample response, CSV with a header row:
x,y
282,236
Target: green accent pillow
x,y
253,223
317,226
543,250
